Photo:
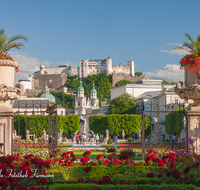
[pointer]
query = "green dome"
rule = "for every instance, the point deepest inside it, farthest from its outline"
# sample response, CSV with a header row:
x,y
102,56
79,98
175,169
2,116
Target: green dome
x,y
80,88
49,96
93,90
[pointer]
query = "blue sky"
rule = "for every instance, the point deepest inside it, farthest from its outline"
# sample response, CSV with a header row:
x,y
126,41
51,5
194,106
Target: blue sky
x,y
142,31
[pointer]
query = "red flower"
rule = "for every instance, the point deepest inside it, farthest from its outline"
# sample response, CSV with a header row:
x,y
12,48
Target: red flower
x,y
187,169
80,180
87,169
176,174
95,181
43,181
151,175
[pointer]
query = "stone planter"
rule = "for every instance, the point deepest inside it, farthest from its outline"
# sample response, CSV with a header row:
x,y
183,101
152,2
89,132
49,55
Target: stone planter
x,y
191,77
7,68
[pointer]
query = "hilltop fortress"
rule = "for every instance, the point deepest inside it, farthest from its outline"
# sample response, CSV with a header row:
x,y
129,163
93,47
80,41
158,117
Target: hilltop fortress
x,y
56,77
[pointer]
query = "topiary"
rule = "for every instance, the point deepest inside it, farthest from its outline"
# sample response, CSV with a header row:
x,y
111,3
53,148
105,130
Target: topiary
x,y
109,141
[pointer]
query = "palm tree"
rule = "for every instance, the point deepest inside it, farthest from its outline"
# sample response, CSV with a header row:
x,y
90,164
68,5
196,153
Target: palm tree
x,y
7,42
193,46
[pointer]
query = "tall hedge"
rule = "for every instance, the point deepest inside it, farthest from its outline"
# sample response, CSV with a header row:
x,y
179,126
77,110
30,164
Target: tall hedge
x,y
115,123
174,122
37,123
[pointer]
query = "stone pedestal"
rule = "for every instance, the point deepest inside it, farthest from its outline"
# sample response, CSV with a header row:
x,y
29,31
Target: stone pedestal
x,y
6,130
193,116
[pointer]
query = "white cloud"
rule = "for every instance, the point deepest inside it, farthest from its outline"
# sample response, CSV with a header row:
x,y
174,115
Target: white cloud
x,y
27,65
169,73
173,52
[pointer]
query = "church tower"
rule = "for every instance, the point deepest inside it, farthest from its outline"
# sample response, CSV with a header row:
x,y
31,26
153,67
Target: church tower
x,y
93,97
80,101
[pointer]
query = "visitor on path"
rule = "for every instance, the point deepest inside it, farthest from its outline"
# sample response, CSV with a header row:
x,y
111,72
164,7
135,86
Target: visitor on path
x,y
81,139
77,139
84,138
115,141
101,140
173,139
91,138
97,139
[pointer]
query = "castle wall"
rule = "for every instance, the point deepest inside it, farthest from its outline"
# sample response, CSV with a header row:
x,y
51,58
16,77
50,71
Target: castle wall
x,y
53,81
117,77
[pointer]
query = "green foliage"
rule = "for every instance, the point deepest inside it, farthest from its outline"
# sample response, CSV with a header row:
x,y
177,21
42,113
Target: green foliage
x,y
131,123
7,42
166,82
65,100
123,82
59,173
72,82
192,46
80,186
102,82
138,73
174,122
123,104
109,141
37,123
98,172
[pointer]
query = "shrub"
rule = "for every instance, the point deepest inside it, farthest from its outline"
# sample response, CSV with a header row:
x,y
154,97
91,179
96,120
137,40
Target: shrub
x,y
82,186
109,141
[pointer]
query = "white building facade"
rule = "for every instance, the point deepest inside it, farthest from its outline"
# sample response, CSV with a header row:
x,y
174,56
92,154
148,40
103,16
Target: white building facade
x,y
139,87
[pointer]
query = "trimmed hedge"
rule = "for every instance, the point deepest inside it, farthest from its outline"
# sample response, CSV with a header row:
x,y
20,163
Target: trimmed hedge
x,y
116,180
115,123
68,123
80,186
98,172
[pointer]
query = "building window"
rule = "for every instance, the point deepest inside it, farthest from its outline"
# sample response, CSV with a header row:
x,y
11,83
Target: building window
x,y
62,113
176,101
78,103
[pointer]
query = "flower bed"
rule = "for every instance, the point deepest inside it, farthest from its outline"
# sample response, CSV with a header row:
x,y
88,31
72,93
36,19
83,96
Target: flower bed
x,y
104,172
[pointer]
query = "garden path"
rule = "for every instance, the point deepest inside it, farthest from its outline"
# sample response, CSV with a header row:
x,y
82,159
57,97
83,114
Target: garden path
x,y
87,146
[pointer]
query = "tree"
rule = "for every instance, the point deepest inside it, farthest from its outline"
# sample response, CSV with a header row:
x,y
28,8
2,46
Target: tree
x,y
193,46
7,41
72,82
138,73
123,82
123,104
166,82
65,100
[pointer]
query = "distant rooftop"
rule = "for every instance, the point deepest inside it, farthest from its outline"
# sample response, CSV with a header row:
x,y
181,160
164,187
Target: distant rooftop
x,y
148,81
147,95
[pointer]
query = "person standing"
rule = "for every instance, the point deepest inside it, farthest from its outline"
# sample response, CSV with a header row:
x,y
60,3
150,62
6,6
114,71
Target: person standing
x,y
173,139
77,139
97,139
91,138
115,141
84,138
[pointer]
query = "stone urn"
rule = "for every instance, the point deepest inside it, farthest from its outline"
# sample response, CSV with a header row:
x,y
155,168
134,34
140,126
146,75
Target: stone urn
x,y
191,90
7,89
191,77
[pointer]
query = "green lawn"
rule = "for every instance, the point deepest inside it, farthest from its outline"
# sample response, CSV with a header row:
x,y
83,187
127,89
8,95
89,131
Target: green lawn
x,y
66,146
